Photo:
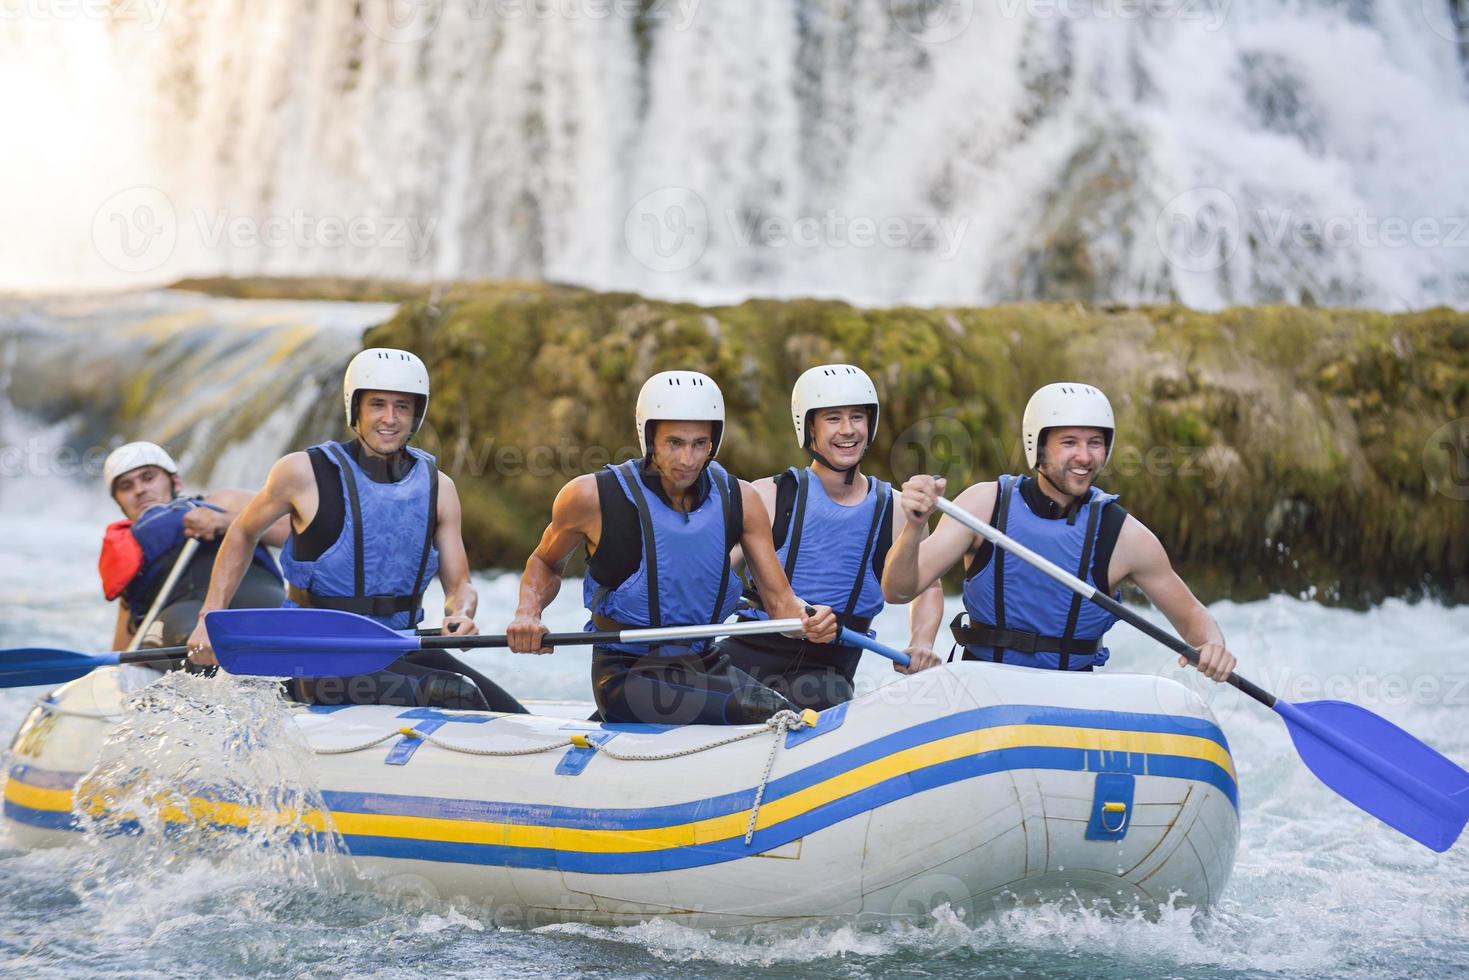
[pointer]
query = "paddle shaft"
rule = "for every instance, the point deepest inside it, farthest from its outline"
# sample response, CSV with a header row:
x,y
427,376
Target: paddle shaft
x,y
1001,540
652,635
186,554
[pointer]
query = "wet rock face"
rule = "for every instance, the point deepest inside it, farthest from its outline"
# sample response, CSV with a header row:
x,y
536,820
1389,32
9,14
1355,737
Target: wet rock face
x,y
1270,448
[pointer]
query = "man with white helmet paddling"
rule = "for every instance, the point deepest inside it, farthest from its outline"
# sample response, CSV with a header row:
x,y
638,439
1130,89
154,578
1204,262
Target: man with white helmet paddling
x,y
1017,614
140,552
658,532
832,529
372,521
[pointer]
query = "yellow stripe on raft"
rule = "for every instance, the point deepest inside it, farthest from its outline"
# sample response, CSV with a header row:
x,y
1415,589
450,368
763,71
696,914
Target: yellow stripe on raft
x,y
36,798
798,803
679,835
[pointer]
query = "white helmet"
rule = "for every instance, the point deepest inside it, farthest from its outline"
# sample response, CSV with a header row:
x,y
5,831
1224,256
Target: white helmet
x,y
831,386
135,455
1066,403
385,369
680,396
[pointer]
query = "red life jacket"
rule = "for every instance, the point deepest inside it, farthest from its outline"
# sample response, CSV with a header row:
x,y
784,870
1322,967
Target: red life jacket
x,y
121,558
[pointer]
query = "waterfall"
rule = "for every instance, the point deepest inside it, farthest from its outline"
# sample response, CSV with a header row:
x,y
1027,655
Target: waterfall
x,y
1211,152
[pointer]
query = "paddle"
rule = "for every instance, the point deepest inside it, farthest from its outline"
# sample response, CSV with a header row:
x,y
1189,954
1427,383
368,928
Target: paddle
x,y
854,639
330,643
186,554
1364,758
32,666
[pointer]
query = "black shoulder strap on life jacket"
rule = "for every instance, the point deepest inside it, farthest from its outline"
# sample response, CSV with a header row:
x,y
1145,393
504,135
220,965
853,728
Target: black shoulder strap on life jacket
x,y
726,491
785,501
1094,514
879,506
1002,517
430,527
798,519
650,543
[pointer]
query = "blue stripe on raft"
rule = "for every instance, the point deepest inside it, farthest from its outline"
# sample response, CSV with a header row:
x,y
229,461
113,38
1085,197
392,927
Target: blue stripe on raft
x,y
45,819
45,778
645,818
819,818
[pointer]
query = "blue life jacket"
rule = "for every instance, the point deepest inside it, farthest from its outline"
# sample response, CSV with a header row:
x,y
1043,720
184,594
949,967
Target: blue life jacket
x,y
1018,614
684,576
379,564
159,532
828,551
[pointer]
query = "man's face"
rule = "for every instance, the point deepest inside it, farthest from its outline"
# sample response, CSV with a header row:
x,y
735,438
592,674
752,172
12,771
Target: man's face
x,y
385,420
839,434
147,486
1071,458
680,450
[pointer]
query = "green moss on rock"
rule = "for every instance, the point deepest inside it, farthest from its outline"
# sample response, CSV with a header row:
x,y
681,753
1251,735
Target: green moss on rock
x,y
1271,448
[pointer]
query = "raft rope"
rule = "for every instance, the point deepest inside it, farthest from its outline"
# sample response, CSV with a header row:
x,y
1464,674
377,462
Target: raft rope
x,y
778,724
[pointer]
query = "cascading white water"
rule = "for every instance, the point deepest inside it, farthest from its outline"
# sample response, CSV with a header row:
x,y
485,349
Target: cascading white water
x,y
885,151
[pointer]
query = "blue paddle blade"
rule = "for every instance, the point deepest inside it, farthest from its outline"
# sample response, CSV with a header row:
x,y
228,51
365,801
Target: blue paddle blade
x,y
302,642
35,666
1379,767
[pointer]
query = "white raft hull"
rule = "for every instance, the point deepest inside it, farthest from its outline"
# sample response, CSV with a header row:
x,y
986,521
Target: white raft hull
x,y
972,784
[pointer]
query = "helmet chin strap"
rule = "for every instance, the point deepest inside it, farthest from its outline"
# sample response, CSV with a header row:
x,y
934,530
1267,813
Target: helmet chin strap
x,y
850,471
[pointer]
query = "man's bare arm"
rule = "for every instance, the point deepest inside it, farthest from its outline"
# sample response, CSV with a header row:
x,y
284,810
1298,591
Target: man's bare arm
x,y
576,518
461,601
1144,560
919,559
206,525
290,476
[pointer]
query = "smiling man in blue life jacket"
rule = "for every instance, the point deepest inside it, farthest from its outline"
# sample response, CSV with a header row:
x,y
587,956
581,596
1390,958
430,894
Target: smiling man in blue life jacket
x,y
372,521
139,552
658,532
1016,614
832,528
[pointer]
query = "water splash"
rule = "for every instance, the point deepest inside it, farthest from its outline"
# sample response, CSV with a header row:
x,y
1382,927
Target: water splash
x,y
209,769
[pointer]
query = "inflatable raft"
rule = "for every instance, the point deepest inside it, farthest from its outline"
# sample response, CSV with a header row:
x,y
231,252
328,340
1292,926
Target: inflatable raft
x,y
979,785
